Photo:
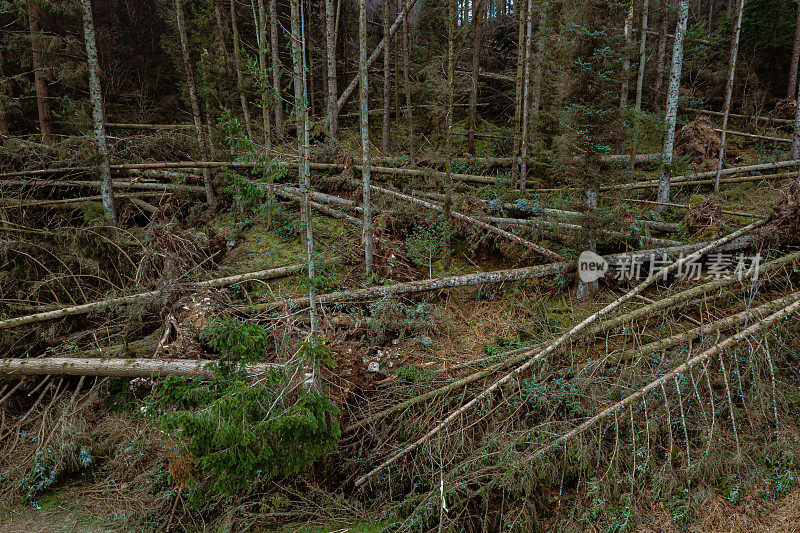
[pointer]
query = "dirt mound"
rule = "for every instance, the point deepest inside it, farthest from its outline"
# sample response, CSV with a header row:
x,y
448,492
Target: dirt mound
x,y
699,141
783,225
706,219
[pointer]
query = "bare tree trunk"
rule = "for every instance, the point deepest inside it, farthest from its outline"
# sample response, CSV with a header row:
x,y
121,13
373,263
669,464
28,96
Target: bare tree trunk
x,y
263,85
528,53
729,90
42,103
198,123
791,87
407,81
237,64
301,114
330,53
212,152
98,117
363,95
540,58
637,108
4,131
662,54
672,103
626,59
522,10
448,138
477,23
795,153
276,70
386,71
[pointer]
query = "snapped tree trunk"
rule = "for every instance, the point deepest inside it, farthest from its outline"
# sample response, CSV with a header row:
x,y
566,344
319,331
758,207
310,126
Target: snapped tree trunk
x,y
42,102
98,115
477,23
672,103
330,54
211,197
363,96
276,69
729,90
303,167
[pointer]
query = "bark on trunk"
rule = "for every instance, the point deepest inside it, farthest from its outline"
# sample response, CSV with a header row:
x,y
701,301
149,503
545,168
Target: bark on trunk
x,y
791,87
276,69
477,23
528,53
729,89
263,85
363,96
237,65
42,102
662,54
126,368
517,124
98,115
672,103
330,54
637,108
448,138
387,95
301,114
626,59
211,197
407,81
4,131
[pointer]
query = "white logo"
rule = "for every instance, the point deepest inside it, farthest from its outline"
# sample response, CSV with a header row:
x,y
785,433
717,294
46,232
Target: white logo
x,y
591,267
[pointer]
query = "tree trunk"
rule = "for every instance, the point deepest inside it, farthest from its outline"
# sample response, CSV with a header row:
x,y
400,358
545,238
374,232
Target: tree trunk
x,y
448,137
538,72
350,89
522,8
301,114
729,90
5,133
662,54
791,88
263,85
363,95
190,85
626,59
477,23
387,97
637,107
42,102
237,65
528,54
407,81
126,368
98,114
330,54
672,103
276,69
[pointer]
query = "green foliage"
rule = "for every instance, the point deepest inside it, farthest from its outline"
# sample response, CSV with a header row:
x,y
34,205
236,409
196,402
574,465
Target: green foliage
x,y
52,465
237,431
682,508
426,244
413,374
316,352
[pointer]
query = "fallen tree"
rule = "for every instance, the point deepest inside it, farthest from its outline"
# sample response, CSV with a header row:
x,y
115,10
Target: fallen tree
x,y
143,296
126,368
536,355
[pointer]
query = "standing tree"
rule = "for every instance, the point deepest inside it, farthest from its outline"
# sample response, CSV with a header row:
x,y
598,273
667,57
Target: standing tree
x,y
662,54
637,106
263,76
303,170
211,197
791,87
276,70
330,55
448,137
237,65
477,15
626,59
526,74
106,192
42,102
673,92
363,96
386,71
407,82
522,8
4,130
729,90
